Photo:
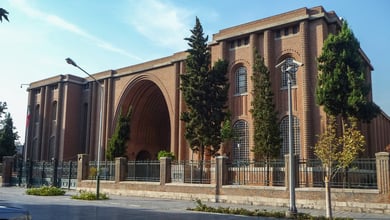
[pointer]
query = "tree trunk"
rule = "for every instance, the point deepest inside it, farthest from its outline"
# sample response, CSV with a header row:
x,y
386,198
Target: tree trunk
x,y
328,199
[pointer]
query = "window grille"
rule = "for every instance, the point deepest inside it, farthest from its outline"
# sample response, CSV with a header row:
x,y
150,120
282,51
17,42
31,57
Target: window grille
x,y
241,80
240,146
284,135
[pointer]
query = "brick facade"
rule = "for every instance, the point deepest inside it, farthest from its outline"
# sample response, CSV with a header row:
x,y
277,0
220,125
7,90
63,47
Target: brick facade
x,y
65,108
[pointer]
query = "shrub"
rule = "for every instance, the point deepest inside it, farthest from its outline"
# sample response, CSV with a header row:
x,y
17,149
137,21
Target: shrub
x,y
45,191
85,195
164,153
259,213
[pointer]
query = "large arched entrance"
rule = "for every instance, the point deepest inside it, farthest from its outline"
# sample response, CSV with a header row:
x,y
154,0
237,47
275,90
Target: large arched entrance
x,y
150,124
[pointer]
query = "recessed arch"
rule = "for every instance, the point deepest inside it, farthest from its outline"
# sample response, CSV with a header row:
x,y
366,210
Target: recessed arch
x,y
150,122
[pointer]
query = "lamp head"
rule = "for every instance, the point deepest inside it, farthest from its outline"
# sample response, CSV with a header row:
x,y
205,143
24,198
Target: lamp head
x,y
71,62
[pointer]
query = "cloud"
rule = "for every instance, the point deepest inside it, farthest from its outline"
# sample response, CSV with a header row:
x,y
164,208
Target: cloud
x,y
67,26
161,22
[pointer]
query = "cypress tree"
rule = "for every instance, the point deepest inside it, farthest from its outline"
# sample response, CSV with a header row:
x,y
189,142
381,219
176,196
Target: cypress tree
x,y
266,127
342,87
117,144
204,91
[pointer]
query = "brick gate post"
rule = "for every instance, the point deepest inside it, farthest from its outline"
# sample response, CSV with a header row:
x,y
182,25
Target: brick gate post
x,y
120,169
82,167
165,170
383,172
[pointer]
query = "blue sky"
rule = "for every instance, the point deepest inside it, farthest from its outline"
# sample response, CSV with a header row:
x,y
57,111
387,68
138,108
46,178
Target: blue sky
x,y
101,35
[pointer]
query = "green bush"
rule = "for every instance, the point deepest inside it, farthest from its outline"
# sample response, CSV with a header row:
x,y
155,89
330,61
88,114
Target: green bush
x,y
45,191
164,153
85,195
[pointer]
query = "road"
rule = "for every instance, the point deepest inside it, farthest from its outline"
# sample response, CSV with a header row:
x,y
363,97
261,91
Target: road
x,y
117,207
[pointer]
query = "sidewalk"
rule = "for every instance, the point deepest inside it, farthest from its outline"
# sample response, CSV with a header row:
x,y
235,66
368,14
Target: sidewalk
x,y
312,212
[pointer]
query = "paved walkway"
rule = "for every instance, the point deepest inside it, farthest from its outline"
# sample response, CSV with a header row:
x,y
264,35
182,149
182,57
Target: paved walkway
x,y
159,205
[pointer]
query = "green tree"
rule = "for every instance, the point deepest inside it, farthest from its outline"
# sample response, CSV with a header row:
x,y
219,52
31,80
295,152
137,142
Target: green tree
x,y
342,86
343,92
204,91
7,137
266,127
117,144
3,14
3,106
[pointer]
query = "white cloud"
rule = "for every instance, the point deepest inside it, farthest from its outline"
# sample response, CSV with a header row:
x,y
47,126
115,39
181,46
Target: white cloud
x,y
161,22
67,26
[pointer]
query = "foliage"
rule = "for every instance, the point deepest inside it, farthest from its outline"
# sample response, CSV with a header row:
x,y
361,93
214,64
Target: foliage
x,y
7,137
3,106
45,191
266,127
342,87
227,130
3,14
342,150
205,94
85,195
259,213
164,153
117,143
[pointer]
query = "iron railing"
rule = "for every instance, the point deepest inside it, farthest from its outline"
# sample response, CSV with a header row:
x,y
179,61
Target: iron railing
x,y
185,171
143,171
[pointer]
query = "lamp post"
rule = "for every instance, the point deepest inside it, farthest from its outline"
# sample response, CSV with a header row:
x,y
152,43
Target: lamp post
x,y
71,62
290,66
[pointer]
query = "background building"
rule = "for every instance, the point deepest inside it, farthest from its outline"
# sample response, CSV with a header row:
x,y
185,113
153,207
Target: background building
x,y
64,110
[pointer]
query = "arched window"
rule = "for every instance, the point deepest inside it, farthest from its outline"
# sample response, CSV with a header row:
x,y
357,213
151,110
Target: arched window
x,y
240,146
284,135
292,72
241,81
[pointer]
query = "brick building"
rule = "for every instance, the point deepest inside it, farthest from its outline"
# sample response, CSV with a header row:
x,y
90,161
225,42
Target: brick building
x,y
65,109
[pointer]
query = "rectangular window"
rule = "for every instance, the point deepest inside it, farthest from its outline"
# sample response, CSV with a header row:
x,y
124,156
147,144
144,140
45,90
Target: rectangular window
x,y
286,31
295,29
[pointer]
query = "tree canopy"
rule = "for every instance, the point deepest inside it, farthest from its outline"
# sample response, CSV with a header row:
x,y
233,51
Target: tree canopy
x,y
266,127
342,85
7,137
3,14
205,91
117,144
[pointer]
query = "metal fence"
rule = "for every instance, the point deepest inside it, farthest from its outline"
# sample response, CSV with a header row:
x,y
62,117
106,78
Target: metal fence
x,y
191,171
143,171
39,173
360,174
107,170
260,173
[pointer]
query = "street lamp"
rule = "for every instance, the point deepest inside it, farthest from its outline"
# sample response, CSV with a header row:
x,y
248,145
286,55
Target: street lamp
x,y
71,62
290,66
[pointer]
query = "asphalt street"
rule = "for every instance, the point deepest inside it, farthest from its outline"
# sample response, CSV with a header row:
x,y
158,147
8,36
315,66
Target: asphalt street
x,y
116,208
127,207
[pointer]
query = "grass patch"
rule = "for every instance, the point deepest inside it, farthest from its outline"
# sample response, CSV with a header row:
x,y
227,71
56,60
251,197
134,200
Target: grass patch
x,y
45,191
260,213
85,195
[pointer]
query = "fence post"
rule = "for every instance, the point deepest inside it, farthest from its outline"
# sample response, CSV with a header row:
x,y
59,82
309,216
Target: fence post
x,y
221,174
82,167
8,163
165,170
383,172
120,169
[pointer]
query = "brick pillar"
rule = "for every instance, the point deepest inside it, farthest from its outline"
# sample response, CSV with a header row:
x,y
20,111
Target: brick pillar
x,y
165,170
8,163
383,172
82,167
120,169
221,172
